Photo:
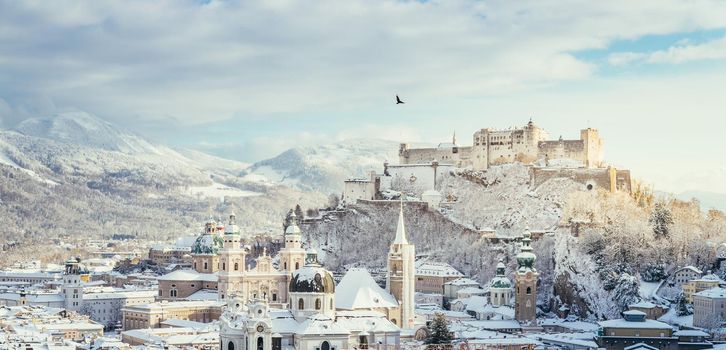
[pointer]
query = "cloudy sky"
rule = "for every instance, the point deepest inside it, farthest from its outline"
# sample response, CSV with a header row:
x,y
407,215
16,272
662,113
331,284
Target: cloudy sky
x,y
250,79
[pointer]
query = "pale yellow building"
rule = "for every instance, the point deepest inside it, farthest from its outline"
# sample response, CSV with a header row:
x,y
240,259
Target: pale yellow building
x,y
152,315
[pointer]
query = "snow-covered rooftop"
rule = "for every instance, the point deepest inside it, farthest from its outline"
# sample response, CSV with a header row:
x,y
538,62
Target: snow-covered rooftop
x,y
646,324
358,290
712,293
440,269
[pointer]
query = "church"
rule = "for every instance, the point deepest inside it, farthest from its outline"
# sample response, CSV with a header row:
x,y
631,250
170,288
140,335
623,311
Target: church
x,y
311,311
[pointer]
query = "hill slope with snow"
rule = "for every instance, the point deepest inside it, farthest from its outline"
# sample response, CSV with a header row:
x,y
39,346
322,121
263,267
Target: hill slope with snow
x,y
324,168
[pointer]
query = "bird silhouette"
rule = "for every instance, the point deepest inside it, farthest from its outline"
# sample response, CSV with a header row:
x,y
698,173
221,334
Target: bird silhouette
x,y
398,100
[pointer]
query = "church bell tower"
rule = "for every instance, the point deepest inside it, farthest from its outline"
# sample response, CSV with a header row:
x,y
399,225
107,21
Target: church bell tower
x,y
525,309
401,269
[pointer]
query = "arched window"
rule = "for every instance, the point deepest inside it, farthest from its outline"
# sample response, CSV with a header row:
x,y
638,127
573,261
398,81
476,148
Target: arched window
x,y
297,265
224,267
205,265
284,265
317,304
331,303
529,290
260,343
236,266
300,304
325,345
230,346
172,293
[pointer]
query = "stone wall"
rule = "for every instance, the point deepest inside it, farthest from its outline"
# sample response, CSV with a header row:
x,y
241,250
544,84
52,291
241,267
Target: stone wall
x,y
609,179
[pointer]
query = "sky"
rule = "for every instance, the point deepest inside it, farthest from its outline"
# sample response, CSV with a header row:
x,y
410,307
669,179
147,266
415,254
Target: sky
x,y
247,80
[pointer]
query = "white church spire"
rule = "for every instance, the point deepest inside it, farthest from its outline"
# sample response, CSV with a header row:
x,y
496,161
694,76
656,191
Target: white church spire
x,y
400,229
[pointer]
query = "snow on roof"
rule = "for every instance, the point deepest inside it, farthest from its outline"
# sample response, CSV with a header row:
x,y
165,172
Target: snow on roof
x,y
573,325
203,294
189,275
431,268
462,282
358,290
320,324
471,290
566,338
712,293
643,304
634,313
368,321
176,323
640,346
690,333
622,323
692,268
495,325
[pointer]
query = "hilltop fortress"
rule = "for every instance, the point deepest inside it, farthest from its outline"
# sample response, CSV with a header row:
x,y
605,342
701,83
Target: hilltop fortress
x,y
526,145
419,169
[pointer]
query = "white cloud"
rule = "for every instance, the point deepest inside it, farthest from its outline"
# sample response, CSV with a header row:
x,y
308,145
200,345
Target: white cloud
x,y
199,63
681,52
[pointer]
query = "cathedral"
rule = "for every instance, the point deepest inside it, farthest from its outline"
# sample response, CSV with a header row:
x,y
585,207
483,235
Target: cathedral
x,y
310,311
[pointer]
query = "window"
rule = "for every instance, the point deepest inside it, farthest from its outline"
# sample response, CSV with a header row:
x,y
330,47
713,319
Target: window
x,y
205,265
236,266
284,265
230,346
363,341
274,296
172,293
300,304
224,266
529,290
297,265
325,345
317,304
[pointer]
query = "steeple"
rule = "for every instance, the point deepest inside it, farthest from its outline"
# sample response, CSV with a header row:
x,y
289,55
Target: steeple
x,y
453,139
400,229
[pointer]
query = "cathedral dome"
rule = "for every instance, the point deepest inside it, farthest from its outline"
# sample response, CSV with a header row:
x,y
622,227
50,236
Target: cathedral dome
x,y
312,278
207,243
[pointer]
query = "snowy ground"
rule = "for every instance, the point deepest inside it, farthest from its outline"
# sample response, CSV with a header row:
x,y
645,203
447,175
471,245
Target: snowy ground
x,y
217,190
673,319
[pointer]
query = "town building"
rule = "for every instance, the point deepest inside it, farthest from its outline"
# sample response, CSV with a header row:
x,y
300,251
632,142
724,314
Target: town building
x,y
684,274
431,276
635,328
652,311
709,308
700,284
152,315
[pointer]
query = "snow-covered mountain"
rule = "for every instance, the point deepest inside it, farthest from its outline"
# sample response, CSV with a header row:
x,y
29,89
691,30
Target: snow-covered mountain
x,y
84,129
73,172
324,168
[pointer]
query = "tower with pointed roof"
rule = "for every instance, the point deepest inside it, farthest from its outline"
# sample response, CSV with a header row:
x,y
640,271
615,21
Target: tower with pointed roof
x,y
525,308
292,255
72,285
401,273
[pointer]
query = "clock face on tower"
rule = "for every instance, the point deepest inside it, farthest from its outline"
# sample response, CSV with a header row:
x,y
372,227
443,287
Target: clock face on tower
x,y
260,328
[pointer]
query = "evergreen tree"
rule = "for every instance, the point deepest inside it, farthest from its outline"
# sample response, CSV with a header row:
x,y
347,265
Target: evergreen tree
x,y
661,219
299,212
682,306
439,332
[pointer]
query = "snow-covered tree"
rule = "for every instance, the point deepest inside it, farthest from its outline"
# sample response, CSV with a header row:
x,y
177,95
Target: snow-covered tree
x,y
439,333
661,220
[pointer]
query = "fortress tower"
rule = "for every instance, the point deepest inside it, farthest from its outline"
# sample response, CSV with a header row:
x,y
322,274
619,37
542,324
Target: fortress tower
x,y
592,147
525,309
401,274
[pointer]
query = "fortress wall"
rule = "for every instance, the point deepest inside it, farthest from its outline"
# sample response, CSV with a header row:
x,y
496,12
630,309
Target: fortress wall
x,y
426,155
570,149
605,178
623,182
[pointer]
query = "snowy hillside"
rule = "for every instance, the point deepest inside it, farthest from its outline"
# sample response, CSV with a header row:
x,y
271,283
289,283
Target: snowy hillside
x,y
86,130
131,184
324,168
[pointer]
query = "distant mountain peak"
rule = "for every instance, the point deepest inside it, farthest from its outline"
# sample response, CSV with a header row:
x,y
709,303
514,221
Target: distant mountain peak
x,y
84,129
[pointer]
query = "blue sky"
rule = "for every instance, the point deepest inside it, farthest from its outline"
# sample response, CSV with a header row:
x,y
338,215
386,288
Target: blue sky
x,y
251,79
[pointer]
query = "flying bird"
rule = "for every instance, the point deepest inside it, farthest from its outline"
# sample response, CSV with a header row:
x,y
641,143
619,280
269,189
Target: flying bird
x,y
398,100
